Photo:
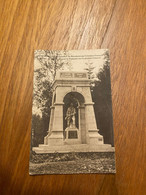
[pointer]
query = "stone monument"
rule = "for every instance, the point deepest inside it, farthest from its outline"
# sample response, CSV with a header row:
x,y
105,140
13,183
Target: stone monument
x,y
72,126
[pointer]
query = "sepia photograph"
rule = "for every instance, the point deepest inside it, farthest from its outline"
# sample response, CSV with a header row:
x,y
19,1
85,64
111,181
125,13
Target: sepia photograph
x,y
72,123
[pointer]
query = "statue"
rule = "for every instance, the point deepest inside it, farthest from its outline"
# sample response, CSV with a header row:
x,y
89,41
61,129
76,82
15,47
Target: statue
x,y
70,116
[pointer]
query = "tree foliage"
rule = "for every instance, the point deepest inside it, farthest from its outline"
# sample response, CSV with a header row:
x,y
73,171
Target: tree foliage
x,y
50,63
36,130
90,70
101,95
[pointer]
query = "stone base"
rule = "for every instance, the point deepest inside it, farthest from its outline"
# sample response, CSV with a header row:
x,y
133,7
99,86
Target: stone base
x,y
95,138
54,142
73,148
55,138
72,136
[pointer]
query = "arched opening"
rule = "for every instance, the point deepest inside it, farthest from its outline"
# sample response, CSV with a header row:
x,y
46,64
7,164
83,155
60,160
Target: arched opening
x,y
77,100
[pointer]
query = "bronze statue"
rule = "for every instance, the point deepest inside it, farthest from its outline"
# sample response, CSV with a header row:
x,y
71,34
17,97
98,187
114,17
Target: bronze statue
x,y
70,116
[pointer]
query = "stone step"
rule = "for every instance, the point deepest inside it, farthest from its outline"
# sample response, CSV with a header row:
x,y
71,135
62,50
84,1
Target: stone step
x,y
73,148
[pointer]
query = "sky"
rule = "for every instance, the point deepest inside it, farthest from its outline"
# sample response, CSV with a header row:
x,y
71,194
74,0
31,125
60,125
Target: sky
x,y
79,59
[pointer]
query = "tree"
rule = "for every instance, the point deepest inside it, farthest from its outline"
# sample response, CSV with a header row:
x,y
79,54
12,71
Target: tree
x,y
89,68
50,63
101,95
36,130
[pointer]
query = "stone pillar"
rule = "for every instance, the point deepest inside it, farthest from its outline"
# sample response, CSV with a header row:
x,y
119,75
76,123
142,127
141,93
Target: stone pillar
x,y
51,118
50,125
55,137
58,116
93,137
82,124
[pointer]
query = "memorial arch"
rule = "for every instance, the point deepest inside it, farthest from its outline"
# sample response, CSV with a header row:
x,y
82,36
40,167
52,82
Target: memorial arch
x,y
72,124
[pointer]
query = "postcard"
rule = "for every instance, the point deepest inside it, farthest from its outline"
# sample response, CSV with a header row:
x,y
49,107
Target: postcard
x,y
72,123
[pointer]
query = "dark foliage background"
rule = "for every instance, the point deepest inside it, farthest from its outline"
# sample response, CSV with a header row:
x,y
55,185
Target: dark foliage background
x,y
101,95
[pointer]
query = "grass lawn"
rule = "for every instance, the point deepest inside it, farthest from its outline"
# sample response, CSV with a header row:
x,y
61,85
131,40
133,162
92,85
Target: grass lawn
x,y
69,163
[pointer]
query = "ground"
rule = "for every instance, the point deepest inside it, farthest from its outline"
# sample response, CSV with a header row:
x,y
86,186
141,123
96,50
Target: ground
x,y
69,163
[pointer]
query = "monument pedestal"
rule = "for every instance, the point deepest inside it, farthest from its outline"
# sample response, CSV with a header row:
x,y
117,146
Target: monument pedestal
x,y
66,148
95,138
72,136
55,138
